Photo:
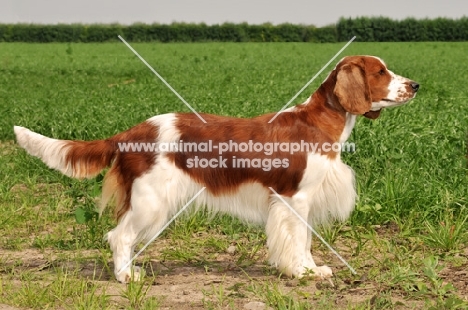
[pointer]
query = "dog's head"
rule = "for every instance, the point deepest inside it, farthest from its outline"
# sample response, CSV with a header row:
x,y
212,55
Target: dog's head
x,y
365,86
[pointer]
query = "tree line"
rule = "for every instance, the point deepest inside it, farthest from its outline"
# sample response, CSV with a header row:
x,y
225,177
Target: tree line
x,y
366,29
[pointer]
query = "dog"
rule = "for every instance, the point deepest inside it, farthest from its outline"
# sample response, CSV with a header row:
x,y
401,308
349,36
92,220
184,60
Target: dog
x,y
251,168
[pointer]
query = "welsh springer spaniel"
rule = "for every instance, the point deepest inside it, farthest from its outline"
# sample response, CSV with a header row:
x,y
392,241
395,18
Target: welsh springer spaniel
x,y
230,158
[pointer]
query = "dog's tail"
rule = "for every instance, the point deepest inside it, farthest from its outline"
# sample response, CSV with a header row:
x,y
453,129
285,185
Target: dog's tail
x,y
76,159
86,159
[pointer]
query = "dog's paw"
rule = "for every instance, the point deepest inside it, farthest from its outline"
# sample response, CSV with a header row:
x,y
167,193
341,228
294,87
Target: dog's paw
x,y
130,274
322,272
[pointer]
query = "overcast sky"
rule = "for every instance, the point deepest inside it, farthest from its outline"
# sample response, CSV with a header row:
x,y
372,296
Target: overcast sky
x,y
313,12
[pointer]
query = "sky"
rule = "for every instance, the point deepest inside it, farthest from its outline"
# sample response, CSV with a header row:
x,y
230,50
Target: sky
x,y
309,12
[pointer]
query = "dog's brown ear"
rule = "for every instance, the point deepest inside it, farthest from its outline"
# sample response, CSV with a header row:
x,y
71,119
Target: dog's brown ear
x,y
352,88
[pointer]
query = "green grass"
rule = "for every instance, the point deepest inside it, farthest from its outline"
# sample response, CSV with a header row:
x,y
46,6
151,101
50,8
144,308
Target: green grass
x,y
407,237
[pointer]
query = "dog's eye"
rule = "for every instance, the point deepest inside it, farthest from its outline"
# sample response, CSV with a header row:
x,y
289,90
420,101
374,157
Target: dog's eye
x,y
382,72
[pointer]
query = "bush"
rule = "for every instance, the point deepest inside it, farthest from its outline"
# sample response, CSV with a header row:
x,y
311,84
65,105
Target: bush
x,y
379,29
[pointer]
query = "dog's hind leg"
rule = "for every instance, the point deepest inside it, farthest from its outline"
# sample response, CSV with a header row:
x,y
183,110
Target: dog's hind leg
x,y
122,240
147,215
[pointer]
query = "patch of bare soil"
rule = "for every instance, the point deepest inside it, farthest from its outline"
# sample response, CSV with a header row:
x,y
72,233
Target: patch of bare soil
x,y
458,275
191,286
224,280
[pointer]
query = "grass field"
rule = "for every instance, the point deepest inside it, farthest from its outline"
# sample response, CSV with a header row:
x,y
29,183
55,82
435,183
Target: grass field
x,y
407,237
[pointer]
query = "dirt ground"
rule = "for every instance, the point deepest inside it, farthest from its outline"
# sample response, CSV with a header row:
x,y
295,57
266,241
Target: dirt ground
x,y
225,283
189,286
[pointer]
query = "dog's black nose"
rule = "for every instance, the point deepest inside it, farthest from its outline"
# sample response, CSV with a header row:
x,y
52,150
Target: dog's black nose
x,y
414,86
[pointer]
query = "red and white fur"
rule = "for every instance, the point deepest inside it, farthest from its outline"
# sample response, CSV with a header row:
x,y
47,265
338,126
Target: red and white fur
x,y
150,187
